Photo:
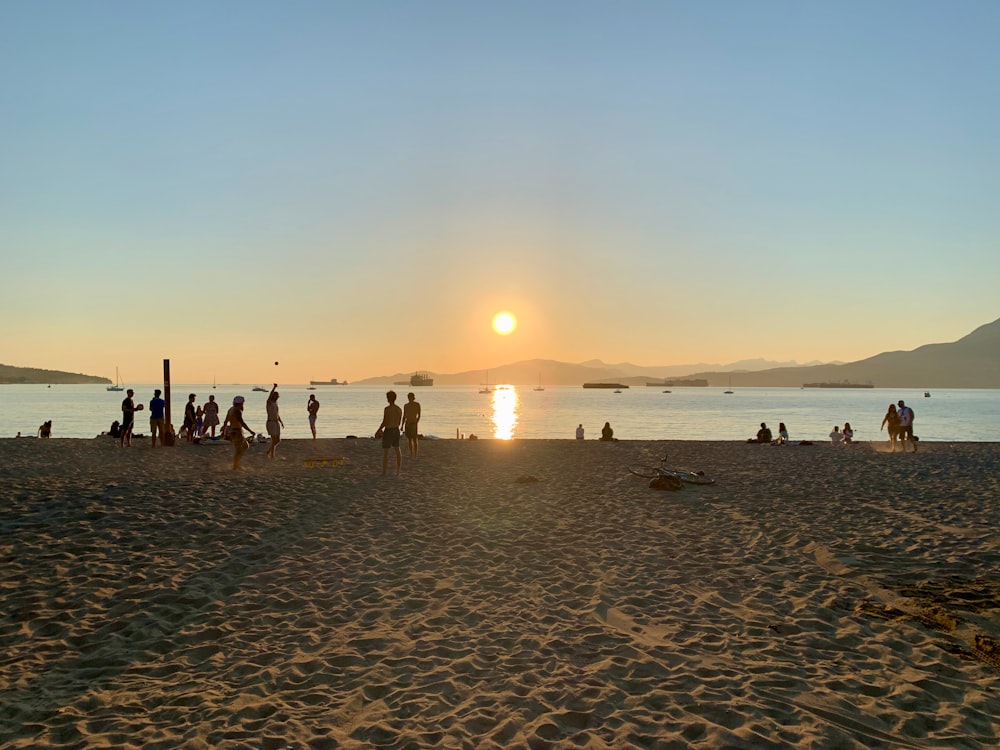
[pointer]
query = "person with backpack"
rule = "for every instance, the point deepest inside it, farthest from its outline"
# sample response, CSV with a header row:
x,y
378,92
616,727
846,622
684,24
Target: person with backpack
x,y
905,425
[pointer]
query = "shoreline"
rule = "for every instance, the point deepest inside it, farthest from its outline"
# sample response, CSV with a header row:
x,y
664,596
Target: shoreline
x,y
498,593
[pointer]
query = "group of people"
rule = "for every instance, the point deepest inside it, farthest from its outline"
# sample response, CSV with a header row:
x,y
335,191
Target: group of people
x,y
397,422
764,435
842,437
607,433
899,420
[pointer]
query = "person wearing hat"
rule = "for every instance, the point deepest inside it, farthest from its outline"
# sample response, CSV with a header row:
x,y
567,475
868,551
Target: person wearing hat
x,y
232,429
157,419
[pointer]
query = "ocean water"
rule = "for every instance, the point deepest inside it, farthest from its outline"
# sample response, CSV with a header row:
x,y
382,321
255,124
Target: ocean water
x,y
83,411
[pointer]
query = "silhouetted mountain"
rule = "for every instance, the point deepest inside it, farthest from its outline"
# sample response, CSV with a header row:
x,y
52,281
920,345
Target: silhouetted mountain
x,y
11,374
971,362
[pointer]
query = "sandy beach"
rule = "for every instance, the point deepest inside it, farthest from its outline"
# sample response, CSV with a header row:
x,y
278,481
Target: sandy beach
x,y
498,594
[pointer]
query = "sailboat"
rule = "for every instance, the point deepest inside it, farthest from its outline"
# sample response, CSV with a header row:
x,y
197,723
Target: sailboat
x,y
118,383
486,388
213,382
730,385
539,386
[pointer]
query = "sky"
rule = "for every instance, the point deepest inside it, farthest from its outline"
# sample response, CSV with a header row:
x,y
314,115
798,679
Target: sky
x,y
356,189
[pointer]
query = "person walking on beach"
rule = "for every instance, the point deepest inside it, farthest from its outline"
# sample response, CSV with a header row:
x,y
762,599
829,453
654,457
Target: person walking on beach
x,y
211,419
274,423
232,429
411,420
891,419
128,419
189,417
905,426
392,416
157,419
312,406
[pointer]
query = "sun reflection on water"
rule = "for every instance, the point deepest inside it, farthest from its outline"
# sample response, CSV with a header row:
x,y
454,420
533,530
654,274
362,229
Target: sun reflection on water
x,y
504,412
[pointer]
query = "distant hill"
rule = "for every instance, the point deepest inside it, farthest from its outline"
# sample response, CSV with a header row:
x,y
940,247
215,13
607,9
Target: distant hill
x,y
971,362
30,375
551,372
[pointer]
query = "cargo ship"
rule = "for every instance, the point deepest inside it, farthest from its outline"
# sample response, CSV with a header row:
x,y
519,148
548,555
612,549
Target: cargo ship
x,y
604,385
416,380
331,381
843,384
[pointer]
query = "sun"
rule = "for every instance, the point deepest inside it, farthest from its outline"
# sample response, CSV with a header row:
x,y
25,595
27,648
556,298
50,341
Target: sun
x,y
504,323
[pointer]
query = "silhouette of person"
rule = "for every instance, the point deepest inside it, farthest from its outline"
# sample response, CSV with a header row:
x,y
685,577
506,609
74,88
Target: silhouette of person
x,y
312,406
157,419
233,427
274,423
392,416
764,433
905,426
411,421
891,420
579,432
607,434
211,419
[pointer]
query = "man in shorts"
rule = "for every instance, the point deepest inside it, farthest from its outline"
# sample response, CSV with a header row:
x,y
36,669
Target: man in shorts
x,y
905,426
312,406
157,419
128,419
392,416
411,420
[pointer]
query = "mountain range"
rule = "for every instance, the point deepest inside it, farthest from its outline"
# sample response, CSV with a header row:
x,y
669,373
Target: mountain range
x,y
971,362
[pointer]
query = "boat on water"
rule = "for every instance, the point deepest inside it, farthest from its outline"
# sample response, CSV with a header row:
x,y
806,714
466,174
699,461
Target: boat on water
x,y
486,388
259,388
605,385
841,384
539,386
117,384
683,382
331,381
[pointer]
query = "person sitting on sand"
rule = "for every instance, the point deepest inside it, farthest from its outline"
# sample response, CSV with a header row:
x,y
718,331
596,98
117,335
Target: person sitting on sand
x,y
607,434
782,434
836,437
764,433
579,432
45,429
232,429
848,433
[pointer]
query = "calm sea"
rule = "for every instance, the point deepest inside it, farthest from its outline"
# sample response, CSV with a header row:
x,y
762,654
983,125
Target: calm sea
x,y
83,411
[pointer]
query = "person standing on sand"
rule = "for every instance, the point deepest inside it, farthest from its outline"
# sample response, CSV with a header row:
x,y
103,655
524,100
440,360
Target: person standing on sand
x,y
392,416
905,426
157,420
128,419
232,429
312,406
274,423
189,417
411,420
891,419
211,410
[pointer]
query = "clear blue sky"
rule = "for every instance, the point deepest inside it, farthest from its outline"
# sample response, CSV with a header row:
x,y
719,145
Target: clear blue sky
x,y
356,188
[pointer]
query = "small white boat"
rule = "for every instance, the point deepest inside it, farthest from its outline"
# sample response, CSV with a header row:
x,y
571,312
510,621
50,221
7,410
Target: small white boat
x,y
118,383
927,394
